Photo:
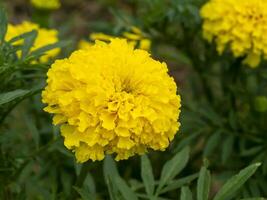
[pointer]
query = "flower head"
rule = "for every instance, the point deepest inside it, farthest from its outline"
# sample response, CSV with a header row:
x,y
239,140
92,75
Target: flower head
x,y
112,98
46,4
44,37
239,24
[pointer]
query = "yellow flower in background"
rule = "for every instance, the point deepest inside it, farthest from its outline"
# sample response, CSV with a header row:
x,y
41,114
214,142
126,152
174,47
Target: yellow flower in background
x,y
44,37
112,98
135,38
101,37
239,24
84,44
46,4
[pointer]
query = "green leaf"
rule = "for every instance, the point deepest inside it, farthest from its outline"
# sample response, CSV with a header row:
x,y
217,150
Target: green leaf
x,y
179,183
84,194
18,38
203,184
40,51
210,114
147,175
89,186
227,148
173,167
29,39
113,189
186,194
125,190
186,141
110,167
3,24
116,185
212,143
251,151
66,182
110,172
13,95
255,198
33,130
235,183
254,188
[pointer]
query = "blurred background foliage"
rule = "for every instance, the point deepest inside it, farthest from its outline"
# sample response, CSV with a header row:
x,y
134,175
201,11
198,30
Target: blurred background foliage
x,y
223,114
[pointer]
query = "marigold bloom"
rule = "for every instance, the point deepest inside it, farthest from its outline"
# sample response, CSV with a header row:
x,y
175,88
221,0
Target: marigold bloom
x,y
135,38
46,4
239,24
44,37
112,98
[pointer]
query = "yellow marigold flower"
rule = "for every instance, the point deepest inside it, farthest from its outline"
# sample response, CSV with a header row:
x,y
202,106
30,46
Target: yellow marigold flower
x,y
46,4
44,37
239,24
112,98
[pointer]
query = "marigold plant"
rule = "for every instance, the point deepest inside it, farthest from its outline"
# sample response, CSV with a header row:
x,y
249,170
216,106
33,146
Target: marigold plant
x,y
241,24
44,37
112,98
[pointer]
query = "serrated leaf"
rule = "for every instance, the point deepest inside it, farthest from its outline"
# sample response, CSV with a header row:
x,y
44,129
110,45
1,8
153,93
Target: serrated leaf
x,y
186,194
173,167
147,175
235,183
203,184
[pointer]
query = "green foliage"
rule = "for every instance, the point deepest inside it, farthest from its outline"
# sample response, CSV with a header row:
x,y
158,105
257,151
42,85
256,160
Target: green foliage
x,y
118,188
233,184
147,175
203,184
